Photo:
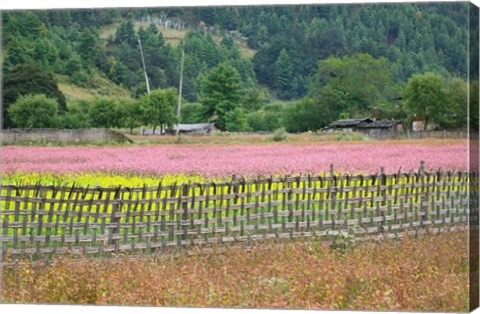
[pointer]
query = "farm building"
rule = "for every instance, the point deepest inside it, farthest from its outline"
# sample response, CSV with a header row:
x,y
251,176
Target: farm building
x,y
380,128
374,128
198,128
346,125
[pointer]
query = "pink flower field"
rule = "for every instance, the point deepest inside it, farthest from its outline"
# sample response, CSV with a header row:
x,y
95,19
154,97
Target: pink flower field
x,y
246,159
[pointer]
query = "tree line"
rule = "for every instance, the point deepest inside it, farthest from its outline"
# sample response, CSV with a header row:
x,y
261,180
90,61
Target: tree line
x,y
340,91
313,64
38,111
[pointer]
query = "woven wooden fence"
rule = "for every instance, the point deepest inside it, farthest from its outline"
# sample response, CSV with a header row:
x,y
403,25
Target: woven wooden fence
x,y
39,221
444,134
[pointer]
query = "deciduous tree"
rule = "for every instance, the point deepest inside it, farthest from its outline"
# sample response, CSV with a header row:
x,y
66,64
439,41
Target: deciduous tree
x,y
130,113
159,108
103,113
357,85
425,97
456,104
34,111
28,79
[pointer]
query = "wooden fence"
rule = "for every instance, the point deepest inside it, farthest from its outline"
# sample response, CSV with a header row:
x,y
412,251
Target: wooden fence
x,y
408,134
443,134
39,221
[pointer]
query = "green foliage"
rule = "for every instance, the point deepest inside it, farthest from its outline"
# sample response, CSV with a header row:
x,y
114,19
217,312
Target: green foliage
x,y
255,120
280,135
44,53
34,111
220,94
159,108
305,115
265,120
80,78
456,104
202,53
103,113
425,97
284,72
236,120
130,113
254,98
350,59
436,42
88,47
357,85
126,33
22,32
77,115
73,65
28,79
191,113
473,110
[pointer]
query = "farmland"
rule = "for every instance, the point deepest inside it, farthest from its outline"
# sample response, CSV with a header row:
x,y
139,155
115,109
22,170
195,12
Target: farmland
x,y
181,200
336,173
220,161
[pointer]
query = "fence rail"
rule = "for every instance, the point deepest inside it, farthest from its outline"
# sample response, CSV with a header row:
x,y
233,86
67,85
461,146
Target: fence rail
x,y
40,221
444,134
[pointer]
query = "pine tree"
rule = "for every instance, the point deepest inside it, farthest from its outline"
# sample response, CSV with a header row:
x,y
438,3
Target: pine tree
x,y
220,94
283,75
88,47
126,33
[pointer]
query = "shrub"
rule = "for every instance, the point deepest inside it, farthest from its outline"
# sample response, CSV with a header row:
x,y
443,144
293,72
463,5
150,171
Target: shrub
x,y
280,135
255,120
76,116
191,113
236,120
80,78
34,111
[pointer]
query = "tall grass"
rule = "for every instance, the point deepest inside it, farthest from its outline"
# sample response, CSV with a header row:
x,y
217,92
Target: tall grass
x,y
428,273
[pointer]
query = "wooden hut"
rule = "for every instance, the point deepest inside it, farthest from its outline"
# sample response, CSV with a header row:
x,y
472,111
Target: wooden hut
x,y
346,125
380,128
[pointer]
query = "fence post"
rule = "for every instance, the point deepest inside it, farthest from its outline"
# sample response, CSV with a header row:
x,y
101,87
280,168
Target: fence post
x,y
421,170
383,185
114,219
235,188
186,188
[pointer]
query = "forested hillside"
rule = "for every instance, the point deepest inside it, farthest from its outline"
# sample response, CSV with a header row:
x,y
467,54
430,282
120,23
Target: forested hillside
x,y
276,53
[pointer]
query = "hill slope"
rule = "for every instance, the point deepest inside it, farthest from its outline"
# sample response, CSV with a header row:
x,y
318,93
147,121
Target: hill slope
x,y
414,37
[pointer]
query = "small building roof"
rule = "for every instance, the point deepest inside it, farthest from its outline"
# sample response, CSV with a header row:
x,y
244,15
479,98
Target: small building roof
x,y
193,127
379,124
348,123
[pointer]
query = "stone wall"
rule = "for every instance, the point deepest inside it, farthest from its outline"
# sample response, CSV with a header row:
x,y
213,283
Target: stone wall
x,y
64,136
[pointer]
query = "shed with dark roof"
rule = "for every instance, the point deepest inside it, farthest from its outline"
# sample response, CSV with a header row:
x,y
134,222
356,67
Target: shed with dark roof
x,y
374,128
203,128
347,125
381,128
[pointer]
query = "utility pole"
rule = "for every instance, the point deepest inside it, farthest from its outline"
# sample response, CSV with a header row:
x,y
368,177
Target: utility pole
x,y
180,91
144,71
144,67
